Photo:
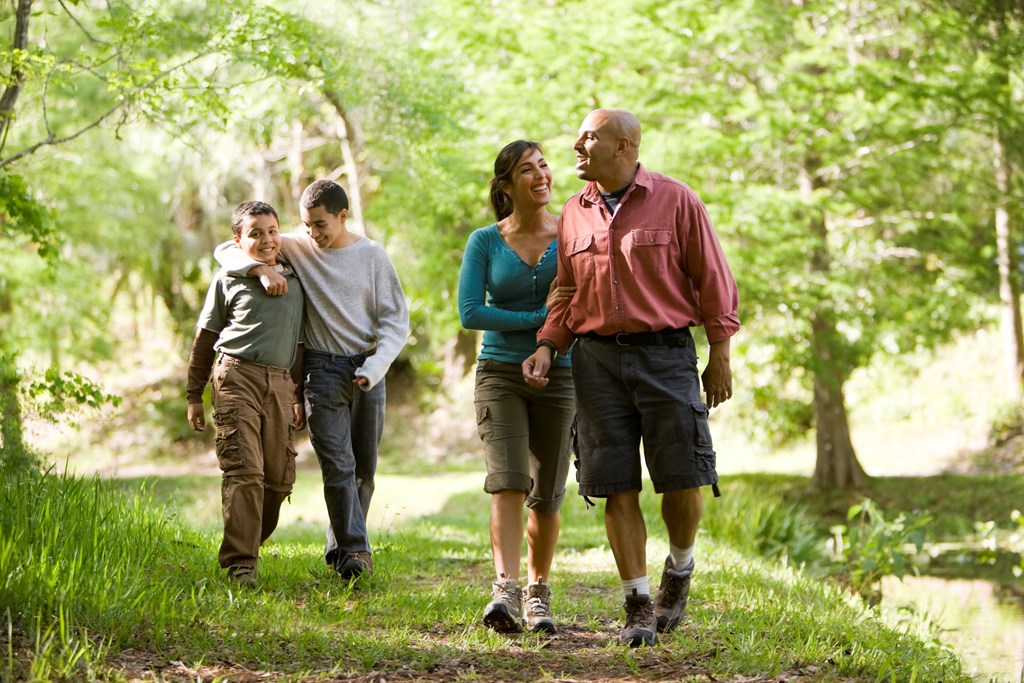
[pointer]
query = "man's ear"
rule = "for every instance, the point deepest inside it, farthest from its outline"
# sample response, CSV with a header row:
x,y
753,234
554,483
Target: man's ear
x,y
238,239
342,215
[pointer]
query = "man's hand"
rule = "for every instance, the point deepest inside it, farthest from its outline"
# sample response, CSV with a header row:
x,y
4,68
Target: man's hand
x,y
535,368
196,418
298,415
273,282
361,381
717,376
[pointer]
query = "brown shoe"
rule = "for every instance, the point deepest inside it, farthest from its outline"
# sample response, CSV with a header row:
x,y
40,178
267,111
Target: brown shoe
x,y
355,565
641,627
670,604
243,575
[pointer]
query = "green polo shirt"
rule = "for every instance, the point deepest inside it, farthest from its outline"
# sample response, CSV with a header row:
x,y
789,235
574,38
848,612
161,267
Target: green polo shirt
x,y
252,325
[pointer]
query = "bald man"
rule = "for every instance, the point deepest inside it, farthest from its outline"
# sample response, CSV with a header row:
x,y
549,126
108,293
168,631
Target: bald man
x,y
646,263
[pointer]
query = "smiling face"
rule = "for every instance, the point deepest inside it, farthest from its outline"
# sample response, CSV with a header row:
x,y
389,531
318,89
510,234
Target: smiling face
x,y
260,238
530,181
325,228
595,147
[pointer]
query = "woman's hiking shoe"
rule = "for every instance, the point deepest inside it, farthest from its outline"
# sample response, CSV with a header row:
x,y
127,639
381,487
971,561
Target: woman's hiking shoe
x,y
640,628
670,604
355,565
243,575
505,611
537,600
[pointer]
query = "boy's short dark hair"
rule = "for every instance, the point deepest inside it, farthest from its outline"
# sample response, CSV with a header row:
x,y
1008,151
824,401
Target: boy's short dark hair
x,y
247,209
325,193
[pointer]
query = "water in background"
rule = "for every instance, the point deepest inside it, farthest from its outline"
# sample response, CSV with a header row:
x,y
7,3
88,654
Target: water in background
x,y
981,621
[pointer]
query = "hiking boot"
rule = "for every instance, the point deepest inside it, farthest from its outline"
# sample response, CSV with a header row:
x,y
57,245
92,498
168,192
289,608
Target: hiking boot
x,y
505,611
355,565
243,575
640,628
537,601
670,603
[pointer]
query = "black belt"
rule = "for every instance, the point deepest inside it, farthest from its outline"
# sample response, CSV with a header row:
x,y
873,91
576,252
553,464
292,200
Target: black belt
x,y
680,337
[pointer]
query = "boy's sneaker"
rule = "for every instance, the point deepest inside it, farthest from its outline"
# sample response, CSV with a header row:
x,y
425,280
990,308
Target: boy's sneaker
x,y
355,565
505,611
537,601
243,575
641,627
670,604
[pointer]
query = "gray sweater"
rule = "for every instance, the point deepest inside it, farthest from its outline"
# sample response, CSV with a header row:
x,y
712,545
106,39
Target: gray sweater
x,y
354,300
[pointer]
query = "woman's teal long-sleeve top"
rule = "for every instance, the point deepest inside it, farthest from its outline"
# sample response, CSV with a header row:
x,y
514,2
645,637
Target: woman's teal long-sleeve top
x,y
504,297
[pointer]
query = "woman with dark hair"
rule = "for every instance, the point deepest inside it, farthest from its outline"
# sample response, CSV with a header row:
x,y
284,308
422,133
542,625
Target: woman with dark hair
x,y
507,271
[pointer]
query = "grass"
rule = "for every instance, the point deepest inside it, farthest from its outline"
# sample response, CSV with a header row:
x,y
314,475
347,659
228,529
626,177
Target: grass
x,y
104,583
117,580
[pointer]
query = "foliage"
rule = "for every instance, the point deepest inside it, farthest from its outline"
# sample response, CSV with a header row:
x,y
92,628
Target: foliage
x,y
22,215
65,542
870,546
753,519
842,149
57,393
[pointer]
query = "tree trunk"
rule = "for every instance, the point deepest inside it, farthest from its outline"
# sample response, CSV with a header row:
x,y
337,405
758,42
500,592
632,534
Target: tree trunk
x,y
1009,290
836,466
12,441
19,42
295,165
348,143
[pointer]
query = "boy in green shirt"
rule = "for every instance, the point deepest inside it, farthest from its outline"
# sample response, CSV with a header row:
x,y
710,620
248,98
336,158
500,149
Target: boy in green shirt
x,y
257,392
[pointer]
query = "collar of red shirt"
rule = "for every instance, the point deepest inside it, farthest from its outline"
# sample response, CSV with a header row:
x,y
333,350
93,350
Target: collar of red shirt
x,y
642,179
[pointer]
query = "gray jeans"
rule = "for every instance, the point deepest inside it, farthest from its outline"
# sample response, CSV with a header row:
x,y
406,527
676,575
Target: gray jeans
x,y
345,427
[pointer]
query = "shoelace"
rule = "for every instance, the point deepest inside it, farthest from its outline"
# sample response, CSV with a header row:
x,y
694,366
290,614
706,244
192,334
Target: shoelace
x,y
638,614
537,607
506,595
673,588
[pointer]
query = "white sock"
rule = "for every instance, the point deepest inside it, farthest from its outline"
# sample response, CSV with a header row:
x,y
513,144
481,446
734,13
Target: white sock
x,y
680,557
641,584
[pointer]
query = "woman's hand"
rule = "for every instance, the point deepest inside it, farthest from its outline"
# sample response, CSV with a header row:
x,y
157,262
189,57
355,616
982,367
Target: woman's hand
x,y
556,294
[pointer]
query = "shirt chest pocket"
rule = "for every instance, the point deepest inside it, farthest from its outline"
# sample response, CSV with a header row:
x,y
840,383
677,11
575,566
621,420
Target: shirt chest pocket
x,y
581,251
647,250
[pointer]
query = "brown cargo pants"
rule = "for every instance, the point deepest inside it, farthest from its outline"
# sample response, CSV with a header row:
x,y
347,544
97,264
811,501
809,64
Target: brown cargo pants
x,y
253,415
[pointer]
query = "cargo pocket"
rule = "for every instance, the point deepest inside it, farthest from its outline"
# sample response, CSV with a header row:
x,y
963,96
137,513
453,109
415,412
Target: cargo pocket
x,y
703,449
483,422
229,450
289,468
574,436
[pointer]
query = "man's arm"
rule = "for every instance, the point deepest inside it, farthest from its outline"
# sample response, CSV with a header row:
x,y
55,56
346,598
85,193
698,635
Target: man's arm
x,y
237,263
392,323
717,376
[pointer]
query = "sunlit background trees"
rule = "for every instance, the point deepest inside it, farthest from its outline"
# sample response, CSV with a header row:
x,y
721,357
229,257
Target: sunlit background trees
x,y
862,161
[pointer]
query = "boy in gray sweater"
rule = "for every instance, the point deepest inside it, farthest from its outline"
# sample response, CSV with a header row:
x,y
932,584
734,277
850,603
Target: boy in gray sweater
x,y
356,323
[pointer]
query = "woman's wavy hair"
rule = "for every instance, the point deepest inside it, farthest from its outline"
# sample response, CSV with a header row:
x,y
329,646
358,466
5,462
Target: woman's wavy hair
x,y
504,165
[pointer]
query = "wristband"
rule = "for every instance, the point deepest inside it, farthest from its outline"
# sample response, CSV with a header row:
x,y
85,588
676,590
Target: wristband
x,y
550,345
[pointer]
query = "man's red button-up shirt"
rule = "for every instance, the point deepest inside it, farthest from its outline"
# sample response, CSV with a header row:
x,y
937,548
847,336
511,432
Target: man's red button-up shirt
x,y
655,264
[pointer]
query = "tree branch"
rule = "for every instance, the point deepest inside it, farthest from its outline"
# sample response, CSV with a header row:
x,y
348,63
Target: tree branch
x,y
79,25
13,89
52,139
